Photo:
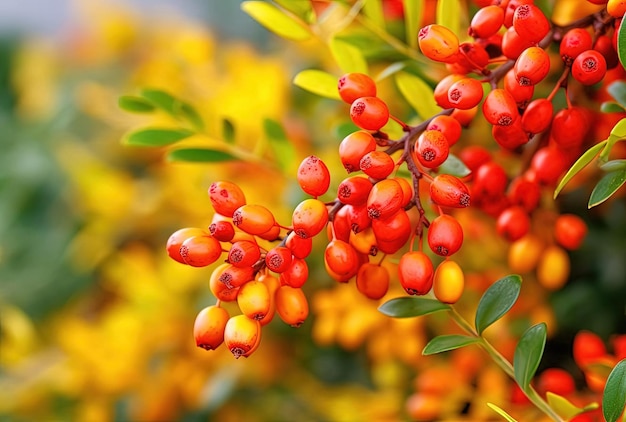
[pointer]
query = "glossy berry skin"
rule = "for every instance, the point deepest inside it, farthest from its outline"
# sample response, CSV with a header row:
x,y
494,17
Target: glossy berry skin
x,y
242,335
589,67
234,277
244,253
510,136
253,219
396,227
278,259
472,57
490,179
340,257
548,164
530,23
570,231
313,176
474,156
449,191
524,192
532,66
372,281
175,241
299,247
384,199
569,127
291,305
200,251
224,231
522,94
377,164
500,108
353,147
355,85
438,43
574,42
486,21
448,125
208,328
432,148
297,274
588,348
254,300
226,197
415,273
513,44
369,113
465,93
220,290
448,282
557,381
354,190
441,90
445,235
309,217
537,116
513,223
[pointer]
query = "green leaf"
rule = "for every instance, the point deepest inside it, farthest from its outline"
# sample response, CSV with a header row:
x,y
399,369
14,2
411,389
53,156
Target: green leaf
x,y
412,20
186,112
392,69
373,9
563,407
621,44
418,94
302,9
617,90
405,307
174,106
348,57
454,166
160,99
582,161
614,395
283,149
200,155
134,104
448,342
449,14
611,107
501,412
318,82
528,354
606,187
496,301
156,137
276,20
613,165
228,131
619,131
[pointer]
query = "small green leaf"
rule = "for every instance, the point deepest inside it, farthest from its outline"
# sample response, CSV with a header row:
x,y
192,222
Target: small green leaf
x,y
318,82
613,165
618,132
614,395
392,69
405,307
611,107
606,187
528,354
449,14
134,104
160,99
283,149
348,57
188,113
454,166
621,44
617,90
412,20
373,9
418,94
302,9
447,342
582,161
496,301
228,131
276,20
174,106
563,407
501,412
156,137
200,155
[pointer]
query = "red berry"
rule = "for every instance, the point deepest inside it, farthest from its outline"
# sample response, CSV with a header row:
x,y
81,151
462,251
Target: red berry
x,y
445,235
530,23
500,107
432,148
370,113
589,67
355,85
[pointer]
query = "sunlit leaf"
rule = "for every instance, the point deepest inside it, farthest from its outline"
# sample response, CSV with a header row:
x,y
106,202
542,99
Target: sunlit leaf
x,y
611,107
449,14
418,94
282,147
497,300
405,307
412,20
445,343
454,166
614,395
582,161
619,130
228,131
156,137
134,104
276,20
302,9
528,354
373,9
501,412
621,44
617,90
348,57
318,82
200,155
606,187
563,407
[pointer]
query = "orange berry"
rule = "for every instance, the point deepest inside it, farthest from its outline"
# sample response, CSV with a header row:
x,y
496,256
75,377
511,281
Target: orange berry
x,y
175,241
537,116
354,190
278,259
432,148
244,253
355,85
208,328
340,257
530,23
226,197
299,247
500,108
233,276
616,8
570,231
220,290
513,44
532,66
513,223
364,242
553,268
200,251
449,191
588,348
510,137
309,217
465,93
370,113
524,254
445,235
224,231
447,125
384,199
396,227
297,273
353,147
313,176
242,335
448,282
574,42
486,21
254,300
557,381
443,86
253,219
377,164
521,94
407,190
372,281
438,43
291,305
415,272
589,67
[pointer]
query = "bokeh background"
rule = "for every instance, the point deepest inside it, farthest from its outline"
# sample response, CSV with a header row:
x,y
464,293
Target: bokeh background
x,y
95,319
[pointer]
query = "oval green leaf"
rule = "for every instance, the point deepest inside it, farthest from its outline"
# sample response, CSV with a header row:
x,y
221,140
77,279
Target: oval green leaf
x,y
174,106
528,354
275,20
611,107
282,148
154,137
614,165
447,342
412,20
406,307
621,44
134,104
418,94
606,187
496,301
302,9
617,90
348,57
200,155
614,395
563,407
454,166
582,161
318,82
228,131
501,412
160,99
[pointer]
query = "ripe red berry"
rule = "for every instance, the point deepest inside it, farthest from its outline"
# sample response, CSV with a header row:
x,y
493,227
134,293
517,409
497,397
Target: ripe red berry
x,y
415,273
472,57
226,197
244,253
500,107
474,156
313,176
278,259
200,251
445,235
253,219
340,257
532,66
570,231
513,44
522,94
443,86
486,22
309,217
355,85
537,116
510,137
513,223
449,191
524,192
222,230
370,113
438,43
353,147
569,127
574,42
465,93
384,199
297,273
447,125
589,67
395,227
377,164
208,328
548,164
491,179
530,23
177,238
432,148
